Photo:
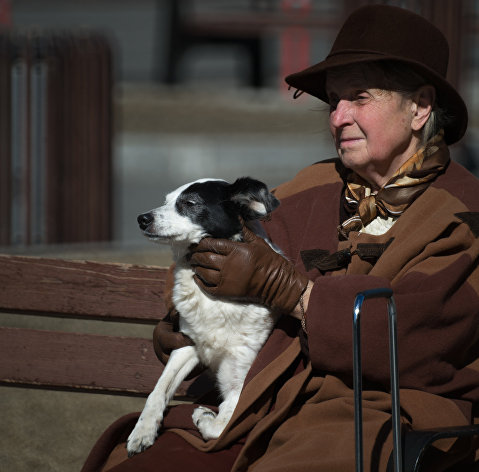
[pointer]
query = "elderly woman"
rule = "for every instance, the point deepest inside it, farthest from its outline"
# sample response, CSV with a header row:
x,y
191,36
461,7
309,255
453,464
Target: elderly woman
x,y
391,211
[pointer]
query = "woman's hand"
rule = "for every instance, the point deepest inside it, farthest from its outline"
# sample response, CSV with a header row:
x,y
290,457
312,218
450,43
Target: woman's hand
x,y
248,271
167,338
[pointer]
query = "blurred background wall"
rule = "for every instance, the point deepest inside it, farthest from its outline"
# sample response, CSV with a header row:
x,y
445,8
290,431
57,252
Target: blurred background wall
x,y
196,90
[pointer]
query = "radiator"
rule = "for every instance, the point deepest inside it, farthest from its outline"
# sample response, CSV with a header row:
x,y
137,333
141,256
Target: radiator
x,y
55,138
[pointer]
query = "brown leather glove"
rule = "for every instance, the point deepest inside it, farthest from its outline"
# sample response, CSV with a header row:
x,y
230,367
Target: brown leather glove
x,y
167,338
248,271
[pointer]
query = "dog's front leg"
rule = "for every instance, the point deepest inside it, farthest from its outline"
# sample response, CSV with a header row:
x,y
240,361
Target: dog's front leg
x,y
230,377
181,362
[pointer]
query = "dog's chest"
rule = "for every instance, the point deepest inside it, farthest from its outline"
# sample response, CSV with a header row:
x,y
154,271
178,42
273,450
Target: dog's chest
x,y
215,326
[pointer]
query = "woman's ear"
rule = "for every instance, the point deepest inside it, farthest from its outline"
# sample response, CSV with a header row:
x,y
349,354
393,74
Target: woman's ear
x,y
423,102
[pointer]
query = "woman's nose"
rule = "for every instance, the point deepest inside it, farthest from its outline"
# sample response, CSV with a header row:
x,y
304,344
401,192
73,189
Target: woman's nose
x,y
341,115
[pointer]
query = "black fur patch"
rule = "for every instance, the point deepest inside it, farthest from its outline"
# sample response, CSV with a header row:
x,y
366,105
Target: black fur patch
x,y
217,206
245,191
208,204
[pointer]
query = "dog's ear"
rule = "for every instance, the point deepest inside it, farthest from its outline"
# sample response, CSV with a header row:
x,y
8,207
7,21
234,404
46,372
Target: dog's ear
x,y
253,198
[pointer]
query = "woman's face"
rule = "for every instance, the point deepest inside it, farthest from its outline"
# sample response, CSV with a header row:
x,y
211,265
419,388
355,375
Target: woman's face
x,y
371,127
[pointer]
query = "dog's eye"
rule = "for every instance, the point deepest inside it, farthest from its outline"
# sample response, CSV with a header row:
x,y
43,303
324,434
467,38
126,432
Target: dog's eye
x,y
186,204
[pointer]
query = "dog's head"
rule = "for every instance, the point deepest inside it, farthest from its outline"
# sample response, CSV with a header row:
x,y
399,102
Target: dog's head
x,y
207,208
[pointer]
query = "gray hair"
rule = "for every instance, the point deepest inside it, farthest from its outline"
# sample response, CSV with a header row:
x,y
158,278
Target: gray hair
x,y
405,80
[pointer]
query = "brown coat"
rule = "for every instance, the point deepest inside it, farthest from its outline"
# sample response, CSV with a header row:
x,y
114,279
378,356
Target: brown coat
x,y
297,413
431,264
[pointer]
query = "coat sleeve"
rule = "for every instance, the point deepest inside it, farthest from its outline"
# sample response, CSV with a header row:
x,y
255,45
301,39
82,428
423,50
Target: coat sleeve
x,y
438,312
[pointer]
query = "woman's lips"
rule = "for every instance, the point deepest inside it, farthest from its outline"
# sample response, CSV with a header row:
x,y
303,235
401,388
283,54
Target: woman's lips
x,y
345,142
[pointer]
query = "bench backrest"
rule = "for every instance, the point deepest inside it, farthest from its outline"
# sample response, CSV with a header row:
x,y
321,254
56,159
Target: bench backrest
x,y
82,290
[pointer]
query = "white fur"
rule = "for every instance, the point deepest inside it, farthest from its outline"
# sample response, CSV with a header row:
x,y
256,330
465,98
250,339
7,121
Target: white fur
x,y
227,336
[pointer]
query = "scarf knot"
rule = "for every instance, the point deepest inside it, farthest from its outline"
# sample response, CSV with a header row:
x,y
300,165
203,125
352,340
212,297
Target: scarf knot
x,y
361,205
367,208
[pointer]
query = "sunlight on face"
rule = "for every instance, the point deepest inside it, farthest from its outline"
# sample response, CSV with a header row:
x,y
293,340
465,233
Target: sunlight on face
x,y
371,127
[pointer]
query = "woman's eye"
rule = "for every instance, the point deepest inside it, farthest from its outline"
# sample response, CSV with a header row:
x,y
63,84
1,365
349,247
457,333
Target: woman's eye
x,y
362,96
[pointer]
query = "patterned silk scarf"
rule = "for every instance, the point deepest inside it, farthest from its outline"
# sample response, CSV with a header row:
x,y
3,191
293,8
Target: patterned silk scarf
x,y
411,180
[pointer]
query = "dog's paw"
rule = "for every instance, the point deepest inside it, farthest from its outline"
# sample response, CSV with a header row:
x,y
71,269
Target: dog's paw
x,y
202,413
142,437
207,423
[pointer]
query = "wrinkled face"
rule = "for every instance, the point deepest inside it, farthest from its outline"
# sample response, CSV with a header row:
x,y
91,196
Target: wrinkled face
x,y
371,127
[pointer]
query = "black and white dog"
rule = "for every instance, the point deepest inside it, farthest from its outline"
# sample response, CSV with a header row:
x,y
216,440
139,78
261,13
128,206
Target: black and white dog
x,y
227,335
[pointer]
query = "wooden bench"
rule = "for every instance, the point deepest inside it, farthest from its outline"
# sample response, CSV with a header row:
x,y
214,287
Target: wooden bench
x,y
78,361
100,363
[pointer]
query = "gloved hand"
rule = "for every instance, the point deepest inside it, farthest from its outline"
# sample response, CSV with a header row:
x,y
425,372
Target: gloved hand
x,y
248,271
167,338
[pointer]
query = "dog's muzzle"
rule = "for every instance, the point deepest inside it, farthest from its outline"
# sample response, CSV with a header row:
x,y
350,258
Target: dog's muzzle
x,y
145,220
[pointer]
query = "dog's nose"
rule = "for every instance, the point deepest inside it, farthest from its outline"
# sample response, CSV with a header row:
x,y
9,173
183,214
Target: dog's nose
x,y
145,220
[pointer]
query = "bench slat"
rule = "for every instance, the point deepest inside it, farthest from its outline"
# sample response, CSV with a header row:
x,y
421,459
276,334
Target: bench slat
x,y
84,362
88,289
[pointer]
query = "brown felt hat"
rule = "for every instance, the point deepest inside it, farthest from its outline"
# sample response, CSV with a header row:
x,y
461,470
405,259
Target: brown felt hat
x,y
381,32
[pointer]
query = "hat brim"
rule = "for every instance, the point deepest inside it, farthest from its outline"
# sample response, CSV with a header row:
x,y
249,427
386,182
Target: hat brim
x,y
313,81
